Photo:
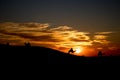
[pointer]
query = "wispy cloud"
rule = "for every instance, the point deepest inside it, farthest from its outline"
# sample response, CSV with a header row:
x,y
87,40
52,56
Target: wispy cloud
x,y
45,35
100,37
103,33
61,28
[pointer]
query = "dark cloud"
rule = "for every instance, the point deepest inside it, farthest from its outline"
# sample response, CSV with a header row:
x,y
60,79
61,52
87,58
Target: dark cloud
x,y
45,38
79,40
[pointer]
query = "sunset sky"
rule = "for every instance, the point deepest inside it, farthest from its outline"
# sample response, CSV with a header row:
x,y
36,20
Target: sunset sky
x,y
90,25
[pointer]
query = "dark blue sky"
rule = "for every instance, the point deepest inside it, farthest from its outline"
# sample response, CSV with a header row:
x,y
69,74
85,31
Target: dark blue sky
x,y
85,15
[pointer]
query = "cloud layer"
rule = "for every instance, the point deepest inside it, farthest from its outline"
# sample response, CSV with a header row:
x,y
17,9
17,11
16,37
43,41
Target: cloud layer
x,y
42,34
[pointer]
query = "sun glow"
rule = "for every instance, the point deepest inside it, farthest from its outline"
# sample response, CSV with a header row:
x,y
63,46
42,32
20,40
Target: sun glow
x,y
78,50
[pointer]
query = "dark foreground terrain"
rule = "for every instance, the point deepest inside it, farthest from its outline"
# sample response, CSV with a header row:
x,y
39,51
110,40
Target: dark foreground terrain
x,y
26,55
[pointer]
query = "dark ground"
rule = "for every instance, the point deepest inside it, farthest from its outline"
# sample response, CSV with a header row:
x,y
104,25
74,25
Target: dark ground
x,y
26,55
40,62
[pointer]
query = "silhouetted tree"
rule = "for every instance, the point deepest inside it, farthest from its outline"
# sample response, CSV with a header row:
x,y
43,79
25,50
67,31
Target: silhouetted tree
x,y
71,51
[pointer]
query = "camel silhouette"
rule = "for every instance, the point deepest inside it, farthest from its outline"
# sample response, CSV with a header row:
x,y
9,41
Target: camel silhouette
x,y
71,51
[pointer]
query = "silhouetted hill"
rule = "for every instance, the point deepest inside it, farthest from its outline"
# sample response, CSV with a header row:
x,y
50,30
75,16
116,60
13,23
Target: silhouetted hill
x,y
34,55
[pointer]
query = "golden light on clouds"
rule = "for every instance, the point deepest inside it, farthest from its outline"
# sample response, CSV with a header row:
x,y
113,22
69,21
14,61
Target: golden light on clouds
x,y
103,33
58,37
100,37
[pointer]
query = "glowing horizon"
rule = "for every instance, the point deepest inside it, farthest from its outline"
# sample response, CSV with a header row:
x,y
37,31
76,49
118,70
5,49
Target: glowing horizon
x,y
62,24
61,38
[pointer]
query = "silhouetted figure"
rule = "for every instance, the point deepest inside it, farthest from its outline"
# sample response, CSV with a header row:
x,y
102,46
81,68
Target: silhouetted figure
x,y
71,51
100,53
7,44
27,44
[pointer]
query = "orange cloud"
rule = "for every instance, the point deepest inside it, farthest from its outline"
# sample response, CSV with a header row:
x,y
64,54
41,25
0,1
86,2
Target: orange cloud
x,y
103,33
58,37
99,37
102,37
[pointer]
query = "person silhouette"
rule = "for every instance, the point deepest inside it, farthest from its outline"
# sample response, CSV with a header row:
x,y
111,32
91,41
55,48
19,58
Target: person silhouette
x,y
100,53
27,44
71,51
7,44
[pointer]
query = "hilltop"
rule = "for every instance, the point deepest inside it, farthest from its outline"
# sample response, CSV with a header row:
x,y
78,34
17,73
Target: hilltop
x,y
42,55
